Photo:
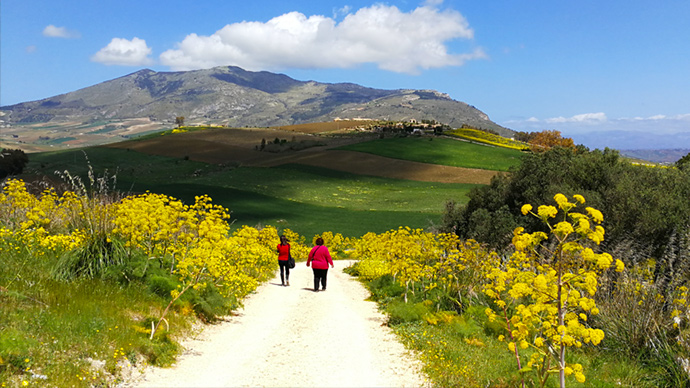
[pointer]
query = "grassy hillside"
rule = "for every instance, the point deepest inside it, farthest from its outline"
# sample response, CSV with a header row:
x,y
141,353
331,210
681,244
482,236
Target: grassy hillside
x,y
441,151
304,198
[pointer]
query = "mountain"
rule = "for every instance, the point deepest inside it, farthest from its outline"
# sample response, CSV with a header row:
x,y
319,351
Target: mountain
x,y
235,97
665,156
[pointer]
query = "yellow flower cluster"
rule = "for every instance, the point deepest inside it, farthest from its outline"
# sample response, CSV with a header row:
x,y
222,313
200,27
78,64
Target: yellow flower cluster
x,y
194,239
413,256
546,296
197,239
487,138
38,223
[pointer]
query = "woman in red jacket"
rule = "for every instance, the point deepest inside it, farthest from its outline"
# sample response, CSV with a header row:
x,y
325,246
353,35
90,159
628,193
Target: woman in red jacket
x,y
320,258
283,256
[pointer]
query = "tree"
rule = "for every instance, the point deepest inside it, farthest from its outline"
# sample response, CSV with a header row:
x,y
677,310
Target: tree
x,y
12,162
179,120
544,140
684,163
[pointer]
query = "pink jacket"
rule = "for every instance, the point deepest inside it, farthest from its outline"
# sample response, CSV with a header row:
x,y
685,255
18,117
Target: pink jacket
x,y
320,256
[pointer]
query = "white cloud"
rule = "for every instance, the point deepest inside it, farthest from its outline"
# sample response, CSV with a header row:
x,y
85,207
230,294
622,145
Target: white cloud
x,y
124,52
342,11
31,49
404,42
581,118
59,32
595,130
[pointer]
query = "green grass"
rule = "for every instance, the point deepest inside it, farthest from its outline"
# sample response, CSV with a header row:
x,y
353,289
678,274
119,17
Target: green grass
x,y
250,208
50,328
324,187
441,151
306,199
461,354
464,351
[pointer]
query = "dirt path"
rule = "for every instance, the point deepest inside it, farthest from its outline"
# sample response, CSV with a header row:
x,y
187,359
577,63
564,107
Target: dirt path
x,y
294,337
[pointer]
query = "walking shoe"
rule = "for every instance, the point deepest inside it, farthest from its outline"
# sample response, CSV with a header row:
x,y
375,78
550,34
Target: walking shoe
x,y
288,283
323,289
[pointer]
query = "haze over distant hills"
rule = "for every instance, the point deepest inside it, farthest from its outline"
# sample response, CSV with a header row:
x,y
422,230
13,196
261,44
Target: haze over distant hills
x,y
234,97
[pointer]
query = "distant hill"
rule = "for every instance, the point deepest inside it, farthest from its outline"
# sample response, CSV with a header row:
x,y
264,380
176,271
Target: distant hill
x,y
234,97
657,156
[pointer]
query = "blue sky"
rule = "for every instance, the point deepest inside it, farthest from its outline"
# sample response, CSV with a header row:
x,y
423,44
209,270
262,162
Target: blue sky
x,y
607,73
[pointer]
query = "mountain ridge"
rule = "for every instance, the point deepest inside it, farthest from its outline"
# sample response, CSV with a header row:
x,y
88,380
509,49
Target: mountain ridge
x,y
233,96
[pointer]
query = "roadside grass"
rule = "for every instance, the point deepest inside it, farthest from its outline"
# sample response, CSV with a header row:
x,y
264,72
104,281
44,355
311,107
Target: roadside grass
x,y
51,329
306,199
463,350
441,151
79,298
461,354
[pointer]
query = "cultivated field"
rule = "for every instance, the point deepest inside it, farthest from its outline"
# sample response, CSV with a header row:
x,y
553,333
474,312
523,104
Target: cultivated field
x,y
42,137
238,146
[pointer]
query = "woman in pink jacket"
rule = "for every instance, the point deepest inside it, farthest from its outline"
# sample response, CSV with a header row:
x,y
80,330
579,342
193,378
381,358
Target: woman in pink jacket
x,y
319,258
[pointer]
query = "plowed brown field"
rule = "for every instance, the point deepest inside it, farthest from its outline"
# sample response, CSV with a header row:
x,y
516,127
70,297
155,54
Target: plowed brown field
x,y
238,146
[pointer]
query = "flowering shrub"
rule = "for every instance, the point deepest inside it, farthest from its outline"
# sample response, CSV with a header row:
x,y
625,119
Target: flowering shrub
x,y
193,241
440,263
545,292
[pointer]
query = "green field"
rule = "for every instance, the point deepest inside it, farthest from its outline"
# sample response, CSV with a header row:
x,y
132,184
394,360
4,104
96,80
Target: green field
x,y
307,199
441,151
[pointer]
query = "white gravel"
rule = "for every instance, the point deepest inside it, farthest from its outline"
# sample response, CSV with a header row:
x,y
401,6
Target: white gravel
x,y
294,337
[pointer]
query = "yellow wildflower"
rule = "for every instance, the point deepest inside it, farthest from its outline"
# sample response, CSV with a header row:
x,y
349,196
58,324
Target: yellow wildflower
x,y
547,211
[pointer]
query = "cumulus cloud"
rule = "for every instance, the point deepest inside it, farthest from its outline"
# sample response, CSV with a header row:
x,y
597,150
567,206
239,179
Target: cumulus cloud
x,y
59,32
124,52
404,42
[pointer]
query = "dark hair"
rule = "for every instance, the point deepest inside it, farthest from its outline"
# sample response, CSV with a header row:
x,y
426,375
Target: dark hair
x,y
283,238
319,241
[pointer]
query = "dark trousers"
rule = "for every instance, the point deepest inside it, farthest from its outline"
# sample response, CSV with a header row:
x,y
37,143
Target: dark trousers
x,y
320,275
284,271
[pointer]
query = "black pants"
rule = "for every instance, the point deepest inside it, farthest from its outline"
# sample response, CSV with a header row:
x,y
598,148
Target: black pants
x,y
320,275
284,271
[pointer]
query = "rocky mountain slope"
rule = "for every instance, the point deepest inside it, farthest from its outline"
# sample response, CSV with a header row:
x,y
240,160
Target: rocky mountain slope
x,y
234,97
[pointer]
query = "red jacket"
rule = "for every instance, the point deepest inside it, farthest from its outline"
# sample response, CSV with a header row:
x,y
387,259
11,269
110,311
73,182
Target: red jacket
x,y
319,257
283,252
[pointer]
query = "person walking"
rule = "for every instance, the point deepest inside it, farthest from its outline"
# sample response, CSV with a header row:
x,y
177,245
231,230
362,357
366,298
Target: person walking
x,y
283,256
319,258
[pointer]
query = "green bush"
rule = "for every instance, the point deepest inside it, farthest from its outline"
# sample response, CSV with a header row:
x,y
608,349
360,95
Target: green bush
x,y
401,312
161,285
385,288
209,304
91,260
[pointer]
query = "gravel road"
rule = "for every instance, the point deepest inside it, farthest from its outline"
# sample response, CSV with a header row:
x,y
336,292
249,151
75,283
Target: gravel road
x,y
294,337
